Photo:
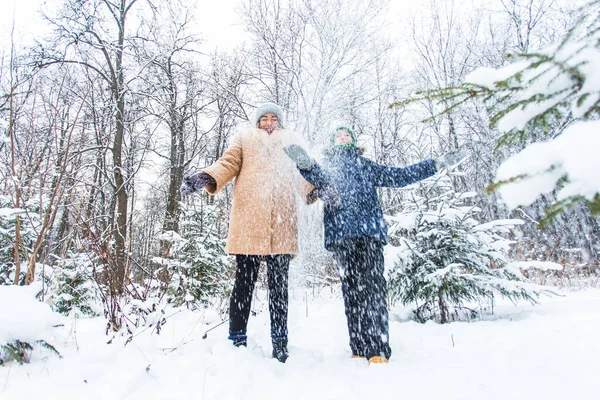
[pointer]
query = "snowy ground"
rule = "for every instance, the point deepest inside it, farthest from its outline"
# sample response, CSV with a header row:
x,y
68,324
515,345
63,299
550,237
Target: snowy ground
x,y
549,351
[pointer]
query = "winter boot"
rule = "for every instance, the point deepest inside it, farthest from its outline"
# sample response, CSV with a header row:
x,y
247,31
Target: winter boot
x,y
280,351
238,338
378,360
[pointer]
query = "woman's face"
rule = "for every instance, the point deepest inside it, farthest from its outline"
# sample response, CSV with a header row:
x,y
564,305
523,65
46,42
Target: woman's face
x,y
268,122
342,137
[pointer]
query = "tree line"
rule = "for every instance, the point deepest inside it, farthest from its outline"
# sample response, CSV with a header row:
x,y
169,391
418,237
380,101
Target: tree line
x,y
123,89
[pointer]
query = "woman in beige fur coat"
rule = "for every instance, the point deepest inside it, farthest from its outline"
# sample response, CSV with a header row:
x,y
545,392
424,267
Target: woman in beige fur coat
x,y
263,223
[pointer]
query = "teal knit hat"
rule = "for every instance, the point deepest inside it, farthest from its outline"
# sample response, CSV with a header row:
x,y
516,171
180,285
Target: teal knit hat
x,y
348,145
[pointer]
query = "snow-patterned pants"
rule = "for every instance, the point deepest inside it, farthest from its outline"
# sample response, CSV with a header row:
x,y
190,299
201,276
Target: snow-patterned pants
x,y
361,267
247,267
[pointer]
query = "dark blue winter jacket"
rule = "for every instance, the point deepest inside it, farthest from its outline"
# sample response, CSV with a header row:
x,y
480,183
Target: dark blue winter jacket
x,y
356,178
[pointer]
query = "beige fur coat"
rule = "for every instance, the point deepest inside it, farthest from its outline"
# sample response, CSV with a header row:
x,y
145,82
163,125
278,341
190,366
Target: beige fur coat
x,y
264,213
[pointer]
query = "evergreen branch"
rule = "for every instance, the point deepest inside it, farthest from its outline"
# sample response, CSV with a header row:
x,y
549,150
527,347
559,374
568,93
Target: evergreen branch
x,y
493,187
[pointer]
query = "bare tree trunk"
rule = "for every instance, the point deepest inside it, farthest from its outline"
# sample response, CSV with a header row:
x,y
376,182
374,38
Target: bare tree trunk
x,y
120,233
16,188
176,165
443,312
17,197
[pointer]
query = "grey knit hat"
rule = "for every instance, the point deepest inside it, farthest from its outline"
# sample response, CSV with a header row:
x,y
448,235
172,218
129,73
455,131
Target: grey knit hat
x,y
269,108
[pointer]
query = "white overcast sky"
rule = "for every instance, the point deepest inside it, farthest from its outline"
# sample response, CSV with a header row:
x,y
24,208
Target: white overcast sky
x,y
217,20
26,21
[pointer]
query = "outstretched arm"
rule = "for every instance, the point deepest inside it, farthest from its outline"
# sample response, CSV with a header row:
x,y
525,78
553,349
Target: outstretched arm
x,y
317,176
388,176
314,174
225,168
308,167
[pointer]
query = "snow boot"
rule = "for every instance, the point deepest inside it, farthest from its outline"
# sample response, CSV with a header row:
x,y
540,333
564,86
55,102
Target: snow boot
x,y
280,351
378,360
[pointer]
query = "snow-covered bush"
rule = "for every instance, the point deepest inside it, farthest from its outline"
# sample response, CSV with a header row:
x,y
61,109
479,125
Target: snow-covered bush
x,y
26,323
198,270
447,261
72,287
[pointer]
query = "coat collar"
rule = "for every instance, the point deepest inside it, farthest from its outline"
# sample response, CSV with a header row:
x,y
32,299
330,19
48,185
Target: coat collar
x,y
341,152
263,133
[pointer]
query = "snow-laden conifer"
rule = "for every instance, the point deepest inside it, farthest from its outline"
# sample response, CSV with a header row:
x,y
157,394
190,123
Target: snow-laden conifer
x,y
448,264
199,268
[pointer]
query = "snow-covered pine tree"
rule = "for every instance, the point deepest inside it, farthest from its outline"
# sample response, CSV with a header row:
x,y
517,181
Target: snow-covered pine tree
x,y
447,261
72,287
200,265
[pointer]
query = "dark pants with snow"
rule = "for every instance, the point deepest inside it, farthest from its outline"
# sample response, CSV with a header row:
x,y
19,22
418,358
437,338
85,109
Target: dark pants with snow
x,y
247,267
361,266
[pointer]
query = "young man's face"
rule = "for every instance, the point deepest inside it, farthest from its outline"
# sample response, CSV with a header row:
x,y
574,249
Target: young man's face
x,y
342,137
268,122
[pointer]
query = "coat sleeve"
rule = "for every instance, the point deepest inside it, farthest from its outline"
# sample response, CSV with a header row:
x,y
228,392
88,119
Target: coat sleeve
x,y
388,176
227,167
316,176
305,188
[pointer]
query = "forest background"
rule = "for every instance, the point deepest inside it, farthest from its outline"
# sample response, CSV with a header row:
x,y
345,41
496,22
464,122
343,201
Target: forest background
x,y
110,103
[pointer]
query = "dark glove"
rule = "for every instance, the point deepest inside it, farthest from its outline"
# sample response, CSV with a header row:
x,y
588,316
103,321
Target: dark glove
x,y
449,159
328,195
300,157
195,182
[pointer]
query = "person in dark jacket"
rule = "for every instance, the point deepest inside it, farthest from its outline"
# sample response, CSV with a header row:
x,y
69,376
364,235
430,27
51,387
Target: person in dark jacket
x,y
355,231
